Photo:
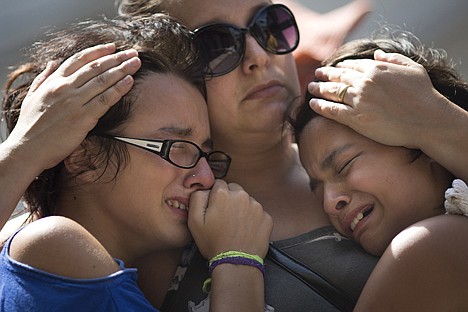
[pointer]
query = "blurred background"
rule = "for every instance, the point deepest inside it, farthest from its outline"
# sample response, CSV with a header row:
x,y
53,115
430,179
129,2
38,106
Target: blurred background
x,y
438,23
441,24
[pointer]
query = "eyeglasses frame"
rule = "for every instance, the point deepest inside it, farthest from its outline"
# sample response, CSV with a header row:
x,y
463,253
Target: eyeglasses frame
x,y
162,147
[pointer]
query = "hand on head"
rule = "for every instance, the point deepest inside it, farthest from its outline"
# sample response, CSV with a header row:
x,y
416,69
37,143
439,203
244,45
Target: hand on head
x,y
65,102
372,102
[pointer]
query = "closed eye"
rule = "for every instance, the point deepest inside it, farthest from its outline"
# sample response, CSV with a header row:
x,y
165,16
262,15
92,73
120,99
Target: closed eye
x,y
346,164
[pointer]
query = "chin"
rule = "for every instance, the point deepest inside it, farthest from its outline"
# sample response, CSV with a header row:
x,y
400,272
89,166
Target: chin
x,y
376,248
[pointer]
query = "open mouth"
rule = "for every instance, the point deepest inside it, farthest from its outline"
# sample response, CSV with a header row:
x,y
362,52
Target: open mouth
x,y
360,216
176,204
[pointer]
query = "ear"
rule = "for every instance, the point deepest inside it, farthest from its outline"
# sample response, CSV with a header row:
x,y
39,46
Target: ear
x,y
80,164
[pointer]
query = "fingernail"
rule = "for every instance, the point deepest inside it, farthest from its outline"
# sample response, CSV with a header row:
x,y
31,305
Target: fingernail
x,y
134,62
127,80
312,103
109,46
131,52
312,85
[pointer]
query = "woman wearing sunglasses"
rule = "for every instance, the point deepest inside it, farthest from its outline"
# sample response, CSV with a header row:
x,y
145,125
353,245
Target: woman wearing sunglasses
x,y
251,84
109,190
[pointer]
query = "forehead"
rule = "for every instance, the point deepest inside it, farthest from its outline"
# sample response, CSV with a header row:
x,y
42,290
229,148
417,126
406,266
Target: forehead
x,y
196,13
165,101
321,135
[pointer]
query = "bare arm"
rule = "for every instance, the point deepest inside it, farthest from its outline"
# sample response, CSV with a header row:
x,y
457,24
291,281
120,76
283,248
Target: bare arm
x,y
62,106
392,101
424,269
228,219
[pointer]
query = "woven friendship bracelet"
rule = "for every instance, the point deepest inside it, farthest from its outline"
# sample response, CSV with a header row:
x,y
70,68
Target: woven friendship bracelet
x,y
229,254
232,257
237,260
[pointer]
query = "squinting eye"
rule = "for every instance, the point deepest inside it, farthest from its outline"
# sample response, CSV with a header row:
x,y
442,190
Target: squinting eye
x,y
346,164
343,167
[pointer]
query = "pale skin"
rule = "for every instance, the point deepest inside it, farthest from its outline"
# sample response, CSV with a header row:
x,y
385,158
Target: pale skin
x,y
95,213
26,149
246,109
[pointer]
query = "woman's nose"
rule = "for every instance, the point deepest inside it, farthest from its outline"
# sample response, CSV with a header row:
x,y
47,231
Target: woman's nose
x,y
201,176
255,56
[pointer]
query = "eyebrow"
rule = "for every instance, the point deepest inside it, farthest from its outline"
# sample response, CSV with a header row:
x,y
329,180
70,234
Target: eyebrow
x,y
184,133
330,158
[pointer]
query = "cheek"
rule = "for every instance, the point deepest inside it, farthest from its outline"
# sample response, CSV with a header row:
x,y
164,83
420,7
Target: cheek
x,y
334,222
221,88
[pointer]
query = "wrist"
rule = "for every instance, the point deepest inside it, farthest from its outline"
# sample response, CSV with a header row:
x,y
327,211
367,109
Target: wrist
x,y
236,258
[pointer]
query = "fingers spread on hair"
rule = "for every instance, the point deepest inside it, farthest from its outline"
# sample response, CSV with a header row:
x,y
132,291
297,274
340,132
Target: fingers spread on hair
x,y
107,70
394,58
332,110
335,74
75,62
101,103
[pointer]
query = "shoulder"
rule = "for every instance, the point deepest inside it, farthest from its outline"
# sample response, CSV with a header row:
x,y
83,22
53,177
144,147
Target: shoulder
x,y
62,246
424,268
444,232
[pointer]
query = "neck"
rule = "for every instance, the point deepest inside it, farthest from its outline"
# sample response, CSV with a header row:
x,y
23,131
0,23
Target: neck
x,y
268,168
82,207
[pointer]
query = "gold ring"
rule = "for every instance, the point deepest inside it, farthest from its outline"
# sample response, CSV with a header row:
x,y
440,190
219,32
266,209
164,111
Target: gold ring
x,y
342,93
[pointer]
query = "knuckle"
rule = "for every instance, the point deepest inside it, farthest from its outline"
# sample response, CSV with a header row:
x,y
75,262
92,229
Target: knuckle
x,y
102,98
120,57
95,67
334,110
80,56
101,79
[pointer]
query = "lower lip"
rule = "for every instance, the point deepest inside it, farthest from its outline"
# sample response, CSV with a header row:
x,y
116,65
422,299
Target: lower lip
x,y
359,226
180,212
265,93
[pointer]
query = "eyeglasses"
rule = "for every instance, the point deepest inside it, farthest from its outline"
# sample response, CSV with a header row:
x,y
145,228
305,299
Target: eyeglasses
x,y
180,153
222,46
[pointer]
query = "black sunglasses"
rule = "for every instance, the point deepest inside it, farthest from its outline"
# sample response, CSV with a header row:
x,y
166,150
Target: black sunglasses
x,y
222,46
181,153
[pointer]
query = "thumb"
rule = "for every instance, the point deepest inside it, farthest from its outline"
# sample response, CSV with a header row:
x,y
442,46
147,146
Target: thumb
x,y
394,58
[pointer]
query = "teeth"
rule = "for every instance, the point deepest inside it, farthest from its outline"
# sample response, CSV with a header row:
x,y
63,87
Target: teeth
x,y
356,221
177,205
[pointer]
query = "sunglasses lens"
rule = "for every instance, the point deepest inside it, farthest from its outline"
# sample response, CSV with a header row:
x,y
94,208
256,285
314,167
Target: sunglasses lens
x,y
222,45
220,48
275,29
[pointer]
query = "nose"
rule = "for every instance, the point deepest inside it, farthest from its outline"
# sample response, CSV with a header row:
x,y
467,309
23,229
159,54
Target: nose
x,y
255,56
335,198
200,177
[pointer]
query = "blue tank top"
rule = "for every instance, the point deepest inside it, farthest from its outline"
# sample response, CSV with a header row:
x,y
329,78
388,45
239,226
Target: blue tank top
x,y
25,288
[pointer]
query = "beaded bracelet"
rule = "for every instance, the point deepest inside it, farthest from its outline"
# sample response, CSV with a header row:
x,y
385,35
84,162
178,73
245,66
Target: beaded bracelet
x,y
233,257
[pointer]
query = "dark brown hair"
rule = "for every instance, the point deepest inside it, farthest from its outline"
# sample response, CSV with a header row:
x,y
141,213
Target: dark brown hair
x,y
394,40
164,46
